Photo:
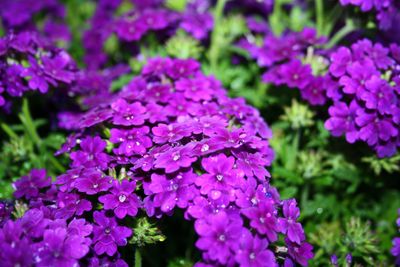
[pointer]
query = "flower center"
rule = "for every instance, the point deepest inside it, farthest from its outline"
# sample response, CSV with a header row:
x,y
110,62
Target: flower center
x,y
219,177
176,157
107,230
222,238
122,198
95,185
252,256
205,148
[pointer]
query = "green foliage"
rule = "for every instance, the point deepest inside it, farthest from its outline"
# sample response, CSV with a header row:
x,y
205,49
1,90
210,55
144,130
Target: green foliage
x,y
298,115
355,237
145,233
378,165
25,149
177,5
181,45
180,263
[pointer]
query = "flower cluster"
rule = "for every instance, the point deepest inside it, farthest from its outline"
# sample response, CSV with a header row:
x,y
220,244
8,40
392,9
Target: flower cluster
x,y
18,16
29,63
146,17
294,60
396,244
362,83
386,11
174,139
366,106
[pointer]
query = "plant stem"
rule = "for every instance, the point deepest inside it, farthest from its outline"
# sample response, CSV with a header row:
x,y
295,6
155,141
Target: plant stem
x,y
348,28
215,46
319,9
138,258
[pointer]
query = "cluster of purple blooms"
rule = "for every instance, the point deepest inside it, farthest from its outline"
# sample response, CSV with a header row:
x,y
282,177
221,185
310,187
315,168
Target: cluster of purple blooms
x,y
18,16
133,25
30,63
387,12
366,106
396,244
362,82
285,58
177,141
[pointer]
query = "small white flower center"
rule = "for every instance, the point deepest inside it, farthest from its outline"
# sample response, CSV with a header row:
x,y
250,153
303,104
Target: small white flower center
x,y
122,198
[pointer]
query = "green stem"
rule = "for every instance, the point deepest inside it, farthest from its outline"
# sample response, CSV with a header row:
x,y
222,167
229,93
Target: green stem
x,y
348,28
138,258
214,47
319,7
276,19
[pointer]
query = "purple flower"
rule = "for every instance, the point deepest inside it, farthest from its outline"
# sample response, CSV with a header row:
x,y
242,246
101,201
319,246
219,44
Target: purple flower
x,y
128,114
295,74
219,235
61,249
340,60
38,79
379,95
253,164
67,180
122,199
288,225
314,92
359,74
175,158
250,194
197,24
107,234
29,186
263,219
196,89
170,133
300,253
396,249
91,153
173,191
220,174
56,67
134,141
254,252
70,204
374,128
183,68
343,120
92,182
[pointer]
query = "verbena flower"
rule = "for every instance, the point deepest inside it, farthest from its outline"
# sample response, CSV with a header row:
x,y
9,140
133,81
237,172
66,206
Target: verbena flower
x,y
140,153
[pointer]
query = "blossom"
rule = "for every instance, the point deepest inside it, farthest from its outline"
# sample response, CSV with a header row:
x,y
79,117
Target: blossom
x,y
135,141
122,199
379,95
92,182
173,191
29,186
301,253
128,114
60,249
218,236
107,234
220,174
175,158
288,224
91,153
262,218
343,120
254,251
